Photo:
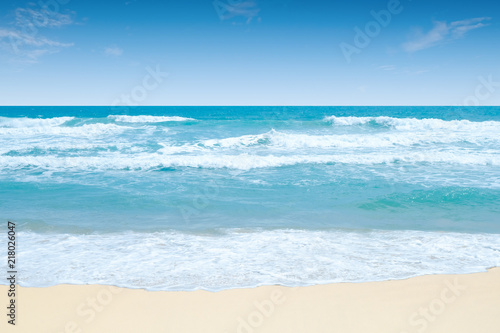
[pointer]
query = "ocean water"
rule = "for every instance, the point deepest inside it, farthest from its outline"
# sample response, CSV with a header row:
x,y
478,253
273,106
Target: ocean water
x,y
183,198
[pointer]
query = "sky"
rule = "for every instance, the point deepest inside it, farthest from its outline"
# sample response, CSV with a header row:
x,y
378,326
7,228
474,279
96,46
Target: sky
x,y
249,52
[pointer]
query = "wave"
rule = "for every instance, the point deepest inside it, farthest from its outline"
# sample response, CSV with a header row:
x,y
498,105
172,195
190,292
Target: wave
x,y
278,139
155,161
86,130
65,146
414,124
147,119
234,258
33,122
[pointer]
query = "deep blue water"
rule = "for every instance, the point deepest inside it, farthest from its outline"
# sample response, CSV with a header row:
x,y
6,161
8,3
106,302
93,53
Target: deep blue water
x,y
219,197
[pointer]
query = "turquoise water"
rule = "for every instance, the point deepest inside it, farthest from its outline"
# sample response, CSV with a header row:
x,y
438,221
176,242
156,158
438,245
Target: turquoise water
x,y
219,197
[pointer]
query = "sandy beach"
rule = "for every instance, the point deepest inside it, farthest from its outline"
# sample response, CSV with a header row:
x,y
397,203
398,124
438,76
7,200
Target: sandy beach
x,y
433,303
245,166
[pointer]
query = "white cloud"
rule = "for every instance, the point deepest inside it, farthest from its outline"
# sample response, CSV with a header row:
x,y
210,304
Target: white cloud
x,y
442,32
415,72
18,38
113,51
41,18
23,39
387,67
28,47
229,10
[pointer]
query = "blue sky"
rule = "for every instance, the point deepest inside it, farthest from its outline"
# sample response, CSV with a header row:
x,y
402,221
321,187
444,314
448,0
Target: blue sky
x,y
246,52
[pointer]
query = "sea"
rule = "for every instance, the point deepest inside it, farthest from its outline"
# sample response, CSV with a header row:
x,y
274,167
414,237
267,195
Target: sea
x,y
187,198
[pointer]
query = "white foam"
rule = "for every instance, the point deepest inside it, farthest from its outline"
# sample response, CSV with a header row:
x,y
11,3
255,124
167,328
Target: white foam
x,y
416,124
147,119
240,258
64,144
33,122
86,130
277,139
146,161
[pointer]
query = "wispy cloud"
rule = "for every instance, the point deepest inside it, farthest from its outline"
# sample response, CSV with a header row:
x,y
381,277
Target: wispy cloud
x,y
25,48
23,40
20,39
422,71
442,32
113,51
231,9
415,72
387,67
42,18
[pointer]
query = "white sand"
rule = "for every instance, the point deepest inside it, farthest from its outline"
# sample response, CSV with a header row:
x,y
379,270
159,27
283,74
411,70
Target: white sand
x,y
438,303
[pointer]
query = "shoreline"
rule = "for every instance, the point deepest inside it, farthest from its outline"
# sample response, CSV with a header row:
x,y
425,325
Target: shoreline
x,y
298,257
484,270
428,303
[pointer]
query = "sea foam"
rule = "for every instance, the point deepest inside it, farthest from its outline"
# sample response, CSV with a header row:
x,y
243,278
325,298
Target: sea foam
x,y
147,119
145,162
184,261
33,122
414,124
